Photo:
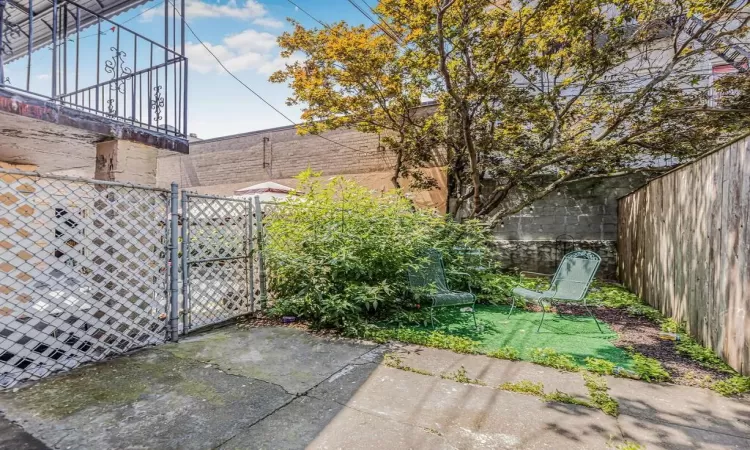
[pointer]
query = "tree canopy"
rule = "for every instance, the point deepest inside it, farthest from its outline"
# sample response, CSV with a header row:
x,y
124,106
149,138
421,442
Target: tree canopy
x,y
529,95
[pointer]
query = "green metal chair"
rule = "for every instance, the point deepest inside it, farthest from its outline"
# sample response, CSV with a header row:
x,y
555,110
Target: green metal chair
x,y
428,281
570,283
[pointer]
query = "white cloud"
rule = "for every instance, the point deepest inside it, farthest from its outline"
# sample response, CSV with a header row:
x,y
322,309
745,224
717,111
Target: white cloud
x,y
248,50
249,9
43,76
278,63
251,40
268,22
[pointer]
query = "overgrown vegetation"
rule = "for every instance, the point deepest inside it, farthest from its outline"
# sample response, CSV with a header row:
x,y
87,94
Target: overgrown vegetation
x,y
524,387
392,360
461,376
649,369
598,388
600,366
550,357
435,339
737,385
505,353
338,254
562,397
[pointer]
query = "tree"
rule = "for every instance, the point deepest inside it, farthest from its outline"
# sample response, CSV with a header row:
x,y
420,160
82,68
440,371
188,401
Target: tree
x,y
355,76
549,92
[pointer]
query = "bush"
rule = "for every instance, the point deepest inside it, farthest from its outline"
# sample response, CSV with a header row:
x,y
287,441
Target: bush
x,y
435,339
338,253
509,353
600,366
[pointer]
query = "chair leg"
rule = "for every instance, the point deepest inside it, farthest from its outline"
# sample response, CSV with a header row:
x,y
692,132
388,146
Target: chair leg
x,y
474,314
593,317
512,305
543,312
432,317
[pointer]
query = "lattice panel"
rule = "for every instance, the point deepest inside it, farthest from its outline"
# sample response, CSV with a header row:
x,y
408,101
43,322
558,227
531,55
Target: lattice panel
x,y
82,272
219,291
218,228
219,278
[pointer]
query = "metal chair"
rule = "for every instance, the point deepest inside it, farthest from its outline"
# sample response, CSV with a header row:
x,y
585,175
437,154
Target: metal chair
x,y
570,283
428,281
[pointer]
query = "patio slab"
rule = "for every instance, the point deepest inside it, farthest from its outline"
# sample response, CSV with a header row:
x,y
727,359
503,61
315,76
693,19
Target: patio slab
x,y
281,388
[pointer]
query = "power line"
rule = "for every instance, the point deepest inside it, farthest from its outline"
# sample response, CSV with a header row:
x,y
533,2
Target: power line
x,y
377,24
308,14
255,93
382,19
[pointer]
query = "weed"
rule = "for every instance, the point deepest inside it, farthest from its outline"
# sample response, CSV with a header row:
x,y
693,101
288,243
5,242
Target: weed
x,y
524,387
649,369
461,377
505,353
562,397
737,385
600,366
598,388
627,445
550,357
702,355
436,339
393,360
670,325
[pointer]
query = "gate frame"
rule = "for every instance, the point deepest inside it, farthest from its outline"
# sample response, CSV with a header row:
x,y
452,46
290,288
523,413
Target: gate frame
x,y
185,261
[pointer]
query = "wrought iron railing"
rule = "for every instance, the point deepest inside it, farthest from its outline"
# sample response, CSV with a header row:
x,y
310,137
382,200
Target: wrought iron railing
x,y
97,65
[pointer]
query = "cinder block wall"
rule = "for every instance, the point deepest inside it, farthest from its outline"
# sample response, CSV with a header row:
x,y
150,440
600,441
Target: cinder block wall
x,y
578,216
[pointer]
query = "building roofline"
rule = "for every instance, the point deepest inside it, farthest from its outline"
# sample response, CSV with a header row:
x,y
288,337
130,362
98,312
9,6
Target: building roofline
x,y
271,130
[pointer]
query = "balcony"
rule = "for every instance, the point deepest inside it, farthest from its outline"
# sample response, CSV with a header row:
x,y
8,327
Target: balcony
x,y
68,62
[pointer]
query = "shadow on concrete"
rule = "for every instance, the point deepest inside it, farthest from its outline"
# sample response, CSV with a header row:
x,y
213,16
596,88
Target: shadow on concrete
x,y
281,388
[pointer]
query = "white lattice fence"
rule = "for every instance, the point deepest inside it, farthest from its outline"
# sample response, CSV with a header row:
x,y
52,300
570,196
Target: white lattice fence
x,y
82,272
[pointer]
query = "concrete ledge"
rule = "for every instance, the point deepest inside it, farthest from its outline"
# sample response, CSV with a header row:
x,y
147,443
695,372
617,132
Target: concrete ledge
x,y
39,109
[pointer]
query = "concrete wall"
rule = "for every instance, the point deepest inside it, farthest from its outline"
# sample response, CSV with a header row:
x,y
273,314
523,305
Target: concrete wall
x,y
578,216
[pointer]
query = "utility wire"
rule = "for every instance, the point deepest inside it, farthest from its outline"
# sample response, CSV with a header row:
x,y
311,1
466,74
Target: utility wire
x,y
255,93
377,24
382,19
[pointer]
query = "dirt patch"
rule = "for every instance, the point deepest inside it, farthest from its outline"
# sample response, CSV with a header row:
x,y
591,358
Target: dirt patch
x,y
642,335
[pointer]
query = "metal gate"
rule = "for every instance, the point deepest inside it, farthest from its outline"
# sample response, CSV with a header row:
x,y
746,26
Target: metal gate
x,y
217,259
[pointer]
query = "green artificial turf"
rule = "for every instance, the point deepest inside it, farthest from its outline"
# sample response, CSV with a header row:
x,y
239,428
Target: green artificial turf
x,y
576,336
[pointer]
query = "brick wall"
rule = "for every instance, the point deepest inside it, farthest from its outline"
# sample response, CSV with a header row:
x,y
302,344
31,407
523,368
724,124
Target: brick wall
x,y
240,158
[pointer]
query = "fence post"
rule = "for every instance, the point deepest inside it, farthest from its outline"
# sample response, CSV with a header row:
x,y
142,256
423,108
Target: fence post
x,y
184,260
250,256
174,324
261,263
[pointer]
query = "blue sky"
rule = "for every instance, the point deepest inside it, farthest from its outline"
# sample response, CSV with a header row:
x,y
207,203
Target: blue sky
x,y
242,33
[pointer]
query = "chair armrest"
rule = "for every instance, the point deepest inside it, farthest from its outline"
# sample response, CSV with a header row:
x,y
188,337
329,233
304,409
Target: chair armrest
x,y
538,275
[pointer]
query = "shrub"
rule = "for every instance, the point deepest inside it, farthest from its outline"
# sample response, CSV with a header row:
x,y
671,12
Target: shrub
x,y
505,353
649,369
736,385
338,253
550,357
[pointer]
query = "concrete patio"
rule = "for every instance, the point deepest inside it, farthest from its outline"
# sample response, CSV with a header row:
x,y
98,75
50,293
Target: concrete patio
x,y
269,388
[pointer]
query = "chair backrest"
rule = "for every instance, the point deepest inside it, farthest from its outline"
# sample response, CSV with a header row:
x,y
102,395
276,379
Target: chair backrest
x,y
429,275
574,275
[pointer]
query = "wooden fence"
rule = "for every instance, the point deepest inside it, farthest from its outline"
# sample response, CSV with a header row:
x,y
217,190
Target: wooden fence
x,y
684,247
